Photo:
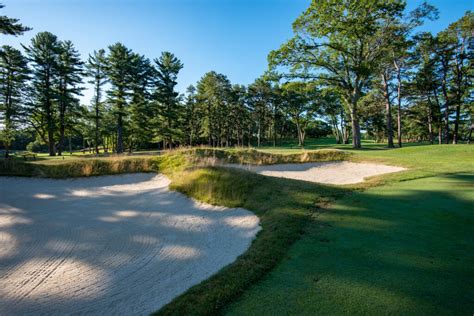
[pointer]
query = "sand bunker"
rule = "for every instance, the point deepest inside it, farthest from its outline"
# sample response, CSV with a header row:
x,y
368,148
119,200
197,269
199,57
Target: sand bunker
x,y
334,172
115,245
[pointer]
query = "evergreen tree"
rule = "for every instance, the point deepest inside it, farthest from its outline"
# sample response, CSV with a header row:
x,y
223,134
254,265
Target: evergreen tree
x,y
455,40
70,73
13,74
141,110
192,117
260,98
11,26
96,70
213,98
43,53
166,98
118,72
239,117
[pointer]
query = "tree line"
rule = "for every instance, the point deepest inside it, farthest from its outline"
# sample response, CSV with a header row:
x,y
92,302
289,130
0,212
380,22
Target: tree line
x,y
367,52
340,76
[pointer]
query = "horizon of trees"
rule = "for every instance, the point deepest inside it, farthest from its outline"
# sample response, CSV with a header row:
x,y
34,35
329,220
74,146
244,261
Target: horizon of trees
x,y
335,76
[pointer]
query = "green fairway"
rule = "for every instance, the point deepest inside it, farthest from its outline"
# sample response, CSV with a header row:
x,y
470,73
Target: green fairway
x,y
406,248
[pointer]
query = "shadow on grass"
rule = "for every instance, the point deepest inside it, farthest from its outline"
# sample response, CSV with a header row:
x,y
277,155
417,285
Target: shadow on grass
x,y
407,248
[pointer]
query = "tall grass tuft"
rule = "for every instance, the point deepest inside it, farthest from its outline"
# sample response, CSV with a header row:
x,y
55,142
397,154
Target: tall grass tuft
x,y
75,168
252,156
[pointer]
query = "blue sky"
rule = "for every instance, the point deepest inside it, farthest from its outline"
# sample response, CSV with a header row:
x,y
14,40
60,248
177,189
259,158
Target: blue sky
x,y
229,36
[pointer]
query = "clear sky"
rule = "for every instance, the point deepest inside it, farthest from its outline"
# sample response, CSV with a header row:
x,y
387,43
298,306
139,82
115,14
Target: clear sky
x,y
229,36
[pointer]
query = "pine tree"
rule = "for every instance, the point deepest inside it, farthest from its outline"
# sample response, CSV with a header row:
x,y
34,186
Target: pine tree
x,y
11,26
118,72
213,99
13,74
260,99
141,76
96,70
192,117
70,72
165,96
43,53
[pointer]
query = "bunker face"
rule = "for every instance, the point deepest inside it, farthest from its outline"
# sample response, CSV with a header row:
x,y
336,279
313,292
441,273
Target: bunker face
x,y
109,245
335,172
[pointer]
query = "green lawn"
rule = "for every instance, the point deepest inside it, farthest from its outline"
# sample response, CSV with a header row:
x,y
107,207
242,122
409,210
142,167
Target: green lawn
x,y
406,248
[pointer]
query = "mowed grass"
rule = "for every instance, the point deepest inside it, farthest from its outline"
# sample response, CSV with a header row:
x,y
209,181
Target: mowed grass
x,y
400,249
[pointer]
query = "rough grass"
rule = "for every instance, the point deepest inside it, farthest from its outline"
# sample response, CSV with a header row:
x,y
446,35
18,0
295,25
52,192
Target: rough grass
x,y
214,156
75,168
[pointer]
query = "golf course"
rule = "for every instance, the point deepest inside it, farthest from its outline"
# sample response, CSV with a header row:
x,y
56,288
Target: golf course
x,y
238,157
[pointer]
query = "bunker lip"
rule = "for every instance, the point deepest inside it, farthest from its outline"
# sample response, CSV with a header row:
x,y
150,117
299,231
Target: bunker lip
x,y
116,245
331,172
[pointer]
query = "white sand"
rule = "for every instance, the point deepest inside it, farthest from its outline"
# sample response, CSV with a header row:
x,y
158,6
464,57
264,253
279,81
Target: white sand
x,y
115,245
334,172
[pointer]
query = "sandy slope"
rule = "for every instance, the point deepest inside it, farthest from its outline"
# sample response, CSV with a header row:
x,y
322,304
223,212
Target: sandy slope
x,y
109,245
334,172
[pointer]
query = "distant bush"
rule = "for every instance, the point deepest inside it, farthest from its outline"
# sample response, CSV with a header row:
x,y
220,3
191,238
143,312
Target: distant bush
x,y
37,147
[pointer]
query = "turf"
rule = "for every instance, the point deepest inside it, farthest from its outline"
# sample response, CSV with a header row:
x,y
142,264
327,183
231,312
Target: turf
x,y
406,248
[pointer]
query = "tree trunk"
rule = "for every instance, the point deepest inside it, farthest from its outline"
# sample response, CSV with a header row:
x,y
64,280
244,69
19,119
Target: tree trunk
x,y
399,105
298,130
355,127
62,114
97,127
430,121
469,135
258,134
446,102
336,131
119,145
49,118
388,109
8,115
456,124
61,134
459,83
52,151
